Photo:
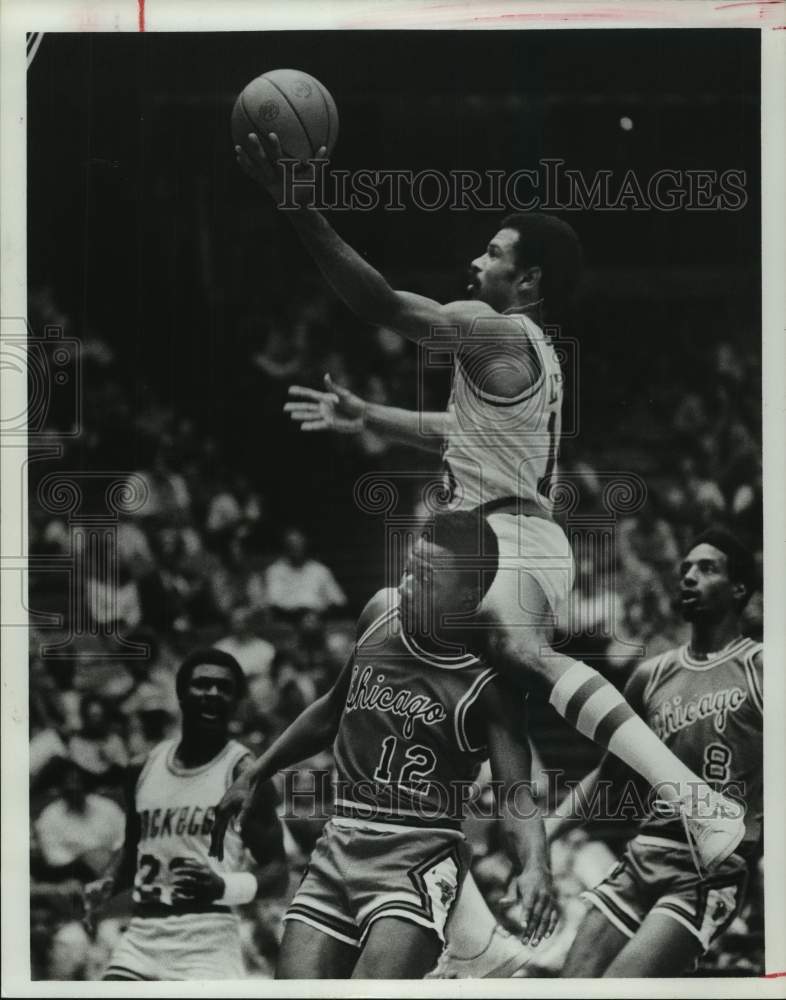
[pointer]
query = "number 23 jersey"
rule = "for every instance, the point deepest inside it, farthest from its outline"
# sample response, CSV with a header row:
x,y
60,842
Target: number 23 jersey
x,y
175,812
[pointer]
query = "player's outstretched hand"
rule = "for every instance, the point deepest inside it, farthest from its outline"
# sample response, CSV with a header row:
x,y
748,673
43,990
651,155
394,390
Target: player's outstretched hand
x,y
539,909
336,409
260,159
193,882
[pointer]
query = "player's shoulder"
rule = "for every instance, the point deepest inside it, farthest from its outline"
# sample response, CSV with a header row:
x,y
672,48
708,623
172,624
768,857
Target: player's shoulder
x,y
382,605
469,314
464,310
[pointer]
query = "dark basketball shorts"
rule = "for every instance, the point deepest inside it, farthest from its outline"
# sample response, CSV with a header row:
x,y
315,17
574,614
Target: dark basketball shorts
x,y
361,871
657,875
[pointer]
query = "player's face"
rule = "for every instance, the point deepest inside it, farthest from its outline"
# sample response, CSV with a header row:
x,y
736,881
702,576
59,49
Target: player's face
x,y
705,588
432,586
496,274
210,697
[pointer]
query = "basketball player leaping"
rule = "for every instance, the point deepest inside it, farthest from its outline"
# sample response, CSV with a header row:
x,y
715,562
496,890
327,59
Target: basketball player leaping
x,y
183,925
654,914
505,365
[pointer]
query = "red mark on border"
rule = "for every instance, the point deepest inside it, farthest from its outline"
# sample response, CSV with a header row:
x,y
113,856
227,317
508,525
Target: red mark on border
x,y
141,6
773,975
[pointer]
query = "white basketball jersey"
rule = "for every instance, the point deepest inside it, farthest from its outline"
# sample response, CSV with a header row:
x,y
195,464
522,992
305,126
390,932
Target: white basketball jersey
x,y
175,807
498,447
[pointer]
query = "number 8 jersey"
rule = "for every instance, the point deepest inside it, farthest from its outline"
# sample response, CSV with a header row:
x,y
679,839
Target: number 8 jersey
x,y
411,735
175,812
709,713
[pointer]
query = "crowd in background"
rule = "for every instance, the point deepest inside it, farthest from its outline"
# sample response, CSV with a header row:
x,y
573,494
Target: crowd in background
x,y
239,544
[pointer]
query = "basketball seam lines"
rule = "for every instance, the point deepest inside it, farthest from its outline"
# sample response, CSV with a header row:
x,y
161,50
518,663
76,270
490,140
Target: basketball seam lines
x,y
297,114
327,113
247,113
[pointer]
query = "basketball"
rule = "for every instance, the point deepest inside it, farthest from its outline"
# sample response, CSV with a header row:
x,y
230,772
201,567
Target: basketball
x,y
298,108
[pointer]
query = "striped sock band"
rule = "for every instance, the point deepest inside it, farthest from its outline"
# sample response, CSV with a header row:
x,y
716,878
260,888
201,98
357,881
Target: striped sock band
x,y
590,704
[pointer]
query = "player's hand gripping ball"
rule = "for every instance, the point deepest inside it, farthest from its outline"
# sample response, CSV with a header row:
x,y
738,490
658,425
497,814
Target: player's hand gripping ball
x,y
293,105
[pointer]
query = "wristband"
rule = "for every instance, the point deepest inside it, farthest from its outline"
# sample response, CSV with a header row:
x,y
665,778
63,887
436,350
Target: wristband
x,y
239,888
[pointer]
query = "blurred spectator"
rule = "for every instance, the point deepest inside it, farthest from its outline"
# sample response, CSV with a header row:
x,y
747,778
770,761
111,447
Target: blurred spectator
x,y
78,832
646,540
133,548
255,655
167,493
114,605
296,690
97,750
295,583
74,839
284,355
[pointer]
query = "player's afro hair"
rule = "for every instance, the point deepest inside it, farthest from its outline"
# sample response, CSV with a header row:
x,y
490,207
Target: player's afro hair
x,y
739,558
552,245
215,657
470,537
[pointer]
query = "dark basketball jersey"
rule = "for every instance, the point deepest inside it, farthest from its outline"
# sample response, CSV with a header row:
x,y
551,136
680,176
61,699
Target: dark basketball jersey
x,y
411,737
709,713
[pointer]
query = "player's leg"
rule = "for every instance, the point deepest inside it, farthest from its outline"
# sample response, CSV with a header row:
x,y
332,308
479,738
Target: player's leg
x,y
595,946
321,936
521,610
688,915
476,945
396,948
308,953
661,947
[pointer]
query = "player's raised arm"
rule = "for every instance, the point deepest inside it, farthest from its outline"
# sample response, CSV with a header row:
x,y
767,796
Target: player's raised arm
x,y
341,411
524,833
367,293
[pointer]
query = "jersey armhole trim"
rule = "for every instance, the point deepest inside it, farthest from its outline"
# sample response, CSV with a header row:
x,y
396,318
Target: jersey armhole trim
x,y
375,624
756,693
462,708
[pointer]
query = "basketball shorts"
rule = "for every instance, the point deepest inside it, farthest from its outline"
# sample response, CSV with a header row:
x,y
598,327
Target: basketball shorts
x,y
657,875
361,871
538,548
202,946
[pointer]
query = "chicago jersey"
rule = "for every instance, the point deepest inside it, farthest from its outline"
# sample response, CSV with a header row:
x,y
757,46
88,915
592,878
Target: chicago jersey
x,y
411,737
504,447
709,713
175,813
